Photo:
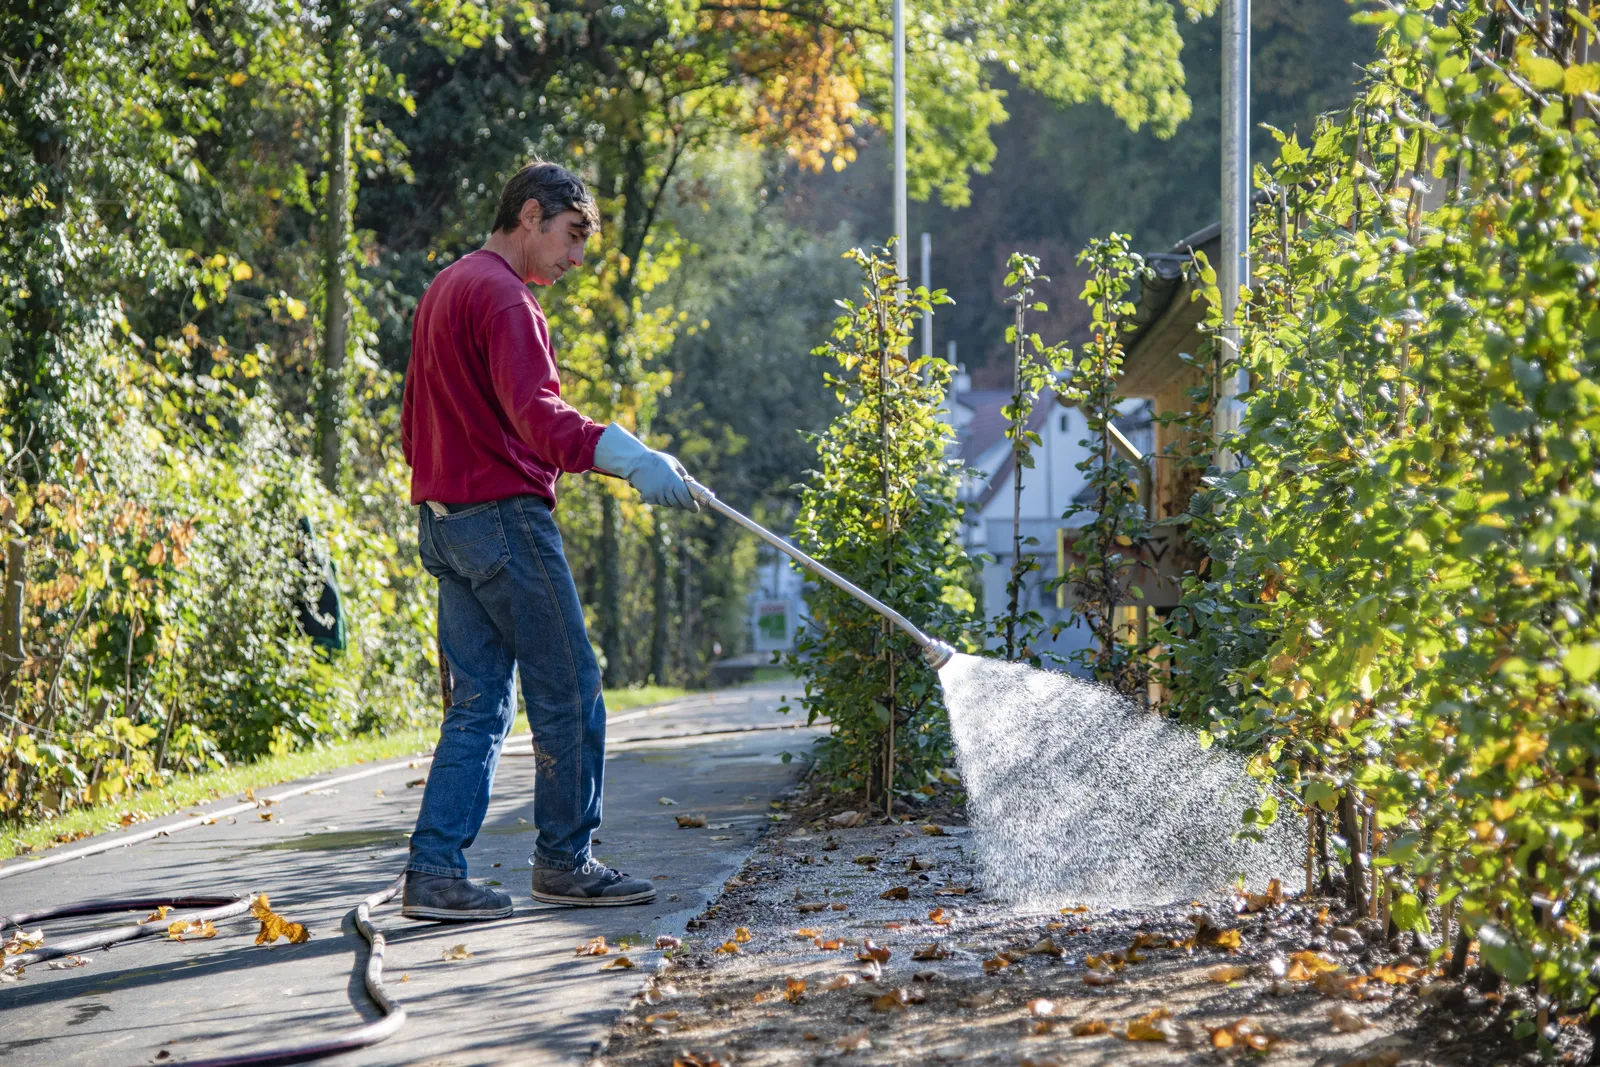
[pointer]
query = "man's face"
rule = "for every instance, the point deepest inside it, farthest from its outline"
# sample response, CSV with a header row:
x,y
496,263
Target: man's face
x,y
551,247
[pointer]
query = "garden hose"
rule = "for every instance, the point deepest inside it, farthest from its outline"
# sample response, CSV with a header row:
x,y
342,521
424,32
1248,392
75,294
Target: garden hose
x,y
221,908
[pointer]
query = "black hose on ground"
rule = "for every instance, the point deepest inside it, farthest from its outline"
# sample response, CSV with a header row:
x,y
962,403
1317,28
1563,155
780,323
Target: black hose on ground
x,y
222,908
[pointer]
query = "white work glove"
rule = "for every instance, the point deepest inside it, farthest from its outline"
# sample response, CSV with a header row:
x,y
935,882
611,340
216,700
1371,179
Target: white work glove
x,y
657,476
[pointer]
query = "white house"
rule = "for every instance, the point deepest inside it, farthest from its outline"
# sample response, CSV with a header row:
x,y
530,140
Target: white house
x,y
1049,488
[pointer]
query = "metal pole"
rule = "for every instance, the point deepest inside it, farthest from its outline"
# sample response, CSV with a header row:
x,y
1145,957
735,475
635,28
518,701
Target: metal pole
x,y
1234,269
900,139
936,651
927,283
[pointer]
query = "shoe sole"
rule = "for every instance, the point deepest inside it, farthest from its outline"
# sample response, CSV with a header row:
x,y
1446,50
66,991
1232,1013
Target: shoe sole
x,y
595,902
452,915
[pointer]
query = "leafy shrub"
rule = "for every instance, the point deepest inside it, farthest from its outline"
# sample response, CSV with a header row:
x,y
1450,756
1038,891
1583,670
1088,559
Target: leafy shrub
x,y
1401,615
881,509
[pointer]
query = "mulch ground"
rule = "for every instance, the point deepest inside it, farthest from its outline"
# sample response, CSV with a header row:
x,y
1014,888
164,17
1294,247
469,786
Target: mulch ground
x,y
869,940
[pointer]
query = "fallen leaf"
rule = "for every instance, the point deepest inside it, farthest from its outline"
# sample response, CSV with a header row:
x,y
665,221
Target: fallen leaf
x,y
457,952
1250,903
1241,1033
816,905
1322,917
867,861
1147,1027
67,963
742,935
807,933
416,782
1099,978
156,916
1345,1021
930,952
1304,966
794,990
662,1016
595,946
689,1059
915,865
898,892
731,948
846,819
184,928
893,926
273,925
621,963
1397,974
666,941
870,950
934,830
952,891
1046,947
894,1000
666,801
1347,986
838,981
1075,910
829,944
980,999
999,963
838,907
936,916
264,816
1090,1028
1227,972
691,822
854,1042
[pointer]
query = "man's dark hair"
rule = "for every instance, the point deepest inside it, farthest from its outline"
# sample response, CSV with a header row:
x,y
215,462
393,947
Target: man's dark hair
x,y
555,188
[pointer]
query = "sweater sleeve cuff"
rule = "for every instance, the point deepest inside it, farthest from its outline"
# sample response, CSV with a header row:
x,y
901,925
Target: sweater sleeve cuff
x,y
591,438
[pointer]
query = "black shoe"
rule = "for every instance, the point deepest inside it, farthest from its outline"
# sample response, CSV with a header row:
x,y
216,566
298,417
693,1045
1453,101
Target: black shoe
x,y
435,896
594,885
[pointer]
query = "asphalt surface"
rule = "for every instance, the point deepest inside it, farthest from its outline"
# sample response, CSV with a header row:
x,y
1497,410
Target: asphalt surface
x,y
521,997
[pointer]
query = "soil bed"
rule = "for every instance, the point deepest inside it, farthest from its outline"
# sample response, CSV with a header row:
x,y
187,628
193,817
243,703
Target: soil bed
x,y
873,943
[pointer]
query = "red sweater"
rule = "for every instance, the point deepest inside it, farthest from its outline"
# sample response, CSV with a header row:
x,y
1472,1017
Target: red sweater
x,y
483,417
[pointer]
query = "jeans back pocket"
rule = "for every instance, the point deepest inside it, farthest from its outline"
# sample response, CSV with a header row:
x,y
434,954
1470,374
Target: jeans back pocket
x,y
473,542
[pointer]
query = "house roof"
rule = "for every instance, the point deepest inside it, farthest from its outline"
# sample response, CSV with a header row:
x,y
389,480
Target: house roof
x,y
988,423
1036,419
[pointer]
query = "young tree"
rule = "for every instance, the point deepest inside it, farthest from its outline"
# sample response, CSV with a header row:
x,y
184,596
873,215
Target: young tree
x,y
881,508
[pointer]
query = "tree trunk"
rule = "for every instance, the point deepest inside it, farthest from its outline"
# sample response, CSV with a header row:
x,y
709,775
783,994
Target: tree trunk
x,y
661,597
1356,870
1018,428
615,673
330,398
13,602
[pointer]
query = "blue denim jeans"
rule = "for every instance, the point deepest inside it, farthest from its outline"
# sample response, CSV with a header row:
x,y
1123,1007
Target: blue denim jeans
x,y
508,610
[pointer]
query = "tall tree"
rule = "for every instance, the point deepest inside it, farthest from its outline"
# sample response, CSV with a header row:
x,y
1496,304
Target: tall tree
x,y
338,58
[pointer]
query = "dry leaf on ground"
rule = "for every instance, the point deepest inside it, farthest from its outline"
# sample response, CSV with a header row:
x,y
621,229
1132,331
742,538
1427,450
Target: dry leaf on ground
x,y
1250,903
1304,966
952,891
871,950
730,948
1090,1028
1149,1026
742,935
691,822
807,933
185,928
934,830
22,941
595,946
1345,1021
668,942
67,963
273,925
930,952
666,802
894,1000
794,990
937,917
898,892
621,963
846,819
815,905
1099,978
1227,972
1241,1033
854,1042
456,952
838,981
1046,947
156,916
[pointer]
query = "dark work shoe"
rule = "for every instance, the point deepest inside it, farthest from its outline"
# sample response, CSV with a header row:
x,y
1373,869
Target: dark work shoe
x,y
435,896
594,885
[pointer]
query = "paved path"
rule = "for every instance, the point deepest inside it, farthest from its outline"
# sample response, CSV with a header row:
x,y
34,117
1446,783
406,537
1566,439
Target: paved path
x,y
522,998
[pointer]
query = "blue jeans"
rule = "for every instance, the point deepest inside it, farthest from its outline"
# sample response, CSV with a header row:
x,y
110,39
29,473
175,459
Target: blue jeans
x,y
508,609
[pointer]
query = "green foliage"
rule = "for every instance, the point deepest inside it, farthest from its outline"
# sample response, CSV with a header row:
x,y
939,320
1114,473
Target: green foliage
x,y
1034,366
1401,611
1106,549
881,509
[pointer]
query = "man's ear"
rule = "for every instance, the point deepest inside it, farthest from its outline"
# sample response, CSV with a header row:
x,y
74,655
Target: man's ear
x,y
531,214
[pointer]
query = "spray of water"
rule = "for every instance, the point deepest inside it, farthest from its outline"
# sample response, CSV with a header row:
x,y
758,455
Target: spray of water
x,y
1075,795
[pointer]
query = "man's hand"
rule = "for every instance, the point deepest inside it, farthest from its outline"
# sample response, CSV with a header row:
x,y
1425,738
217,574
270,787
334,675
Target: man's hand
x,y
657,476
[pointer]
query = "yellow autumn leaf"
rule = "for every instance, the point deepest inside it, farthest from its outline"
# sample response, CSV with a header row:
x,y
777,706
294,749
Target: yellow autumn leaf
x,y
621,963
273,925
1227,972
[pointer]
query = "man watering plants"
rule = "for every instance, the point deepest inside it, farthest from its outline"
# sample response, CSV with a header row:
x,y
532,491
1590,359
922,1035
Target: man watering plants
x,y
487,435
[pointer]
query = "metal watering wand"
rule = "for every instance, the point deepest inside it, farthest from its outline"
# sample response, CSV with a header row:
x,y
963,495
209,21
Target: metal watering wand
x,y
934,650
